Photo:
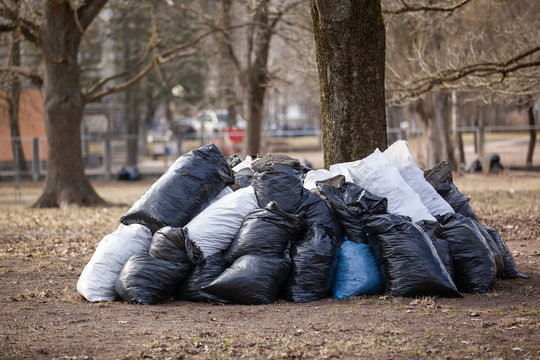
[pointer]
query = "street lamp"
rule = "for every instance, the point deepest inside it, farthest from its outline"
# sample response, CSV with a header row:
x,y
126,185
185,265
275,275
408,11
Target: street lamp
x,y
179,92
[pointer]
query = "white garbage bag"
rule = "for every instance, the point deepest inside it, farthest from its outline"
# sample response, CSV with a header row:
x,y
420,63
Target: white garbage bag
x,y
398,154
99,276
216,226
377,175
316,175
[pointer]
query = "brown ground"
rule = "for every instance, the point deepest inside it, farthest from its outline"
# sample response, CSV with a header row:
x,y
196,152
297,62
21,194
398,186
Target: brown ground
x,y
42,253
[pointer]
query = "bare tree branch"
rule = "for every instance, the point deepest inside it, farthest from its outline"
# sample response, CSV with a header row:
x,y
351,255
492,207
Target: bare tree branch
x,y
88,11
34,77
419,8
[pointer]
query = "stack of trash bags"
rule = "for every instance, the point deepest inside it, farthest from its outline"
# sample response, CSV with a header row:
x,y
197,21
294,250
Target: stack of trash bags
x,y
379,225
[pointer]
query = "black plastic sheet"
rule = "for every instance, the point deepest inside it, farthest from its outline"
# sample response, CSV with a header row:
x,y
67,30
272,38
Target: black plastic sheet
x,y
202,275
440,177
171,244
244,177
185,189
474,265
145,279
278,178
317,211
314,261
352,205
510,268
409,262
494,248
435,232
266,232
250,280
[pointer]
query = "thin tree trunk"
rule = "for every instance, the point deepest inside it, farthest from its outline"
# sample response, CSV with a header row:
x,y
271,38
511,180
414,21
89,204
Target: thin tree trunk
x,y
532,136
65,182
13,103
257,75
350,50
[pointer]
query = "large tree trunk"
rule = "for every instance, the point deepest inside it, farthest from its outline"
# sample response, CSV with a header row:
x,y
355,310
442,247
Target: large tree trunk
x,y
350,48
13,103
257,75
65,182
434,117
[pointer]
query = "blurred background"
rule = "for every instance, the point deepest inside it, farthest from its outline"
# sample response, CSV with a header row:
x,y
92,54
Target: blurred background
x,y
462,84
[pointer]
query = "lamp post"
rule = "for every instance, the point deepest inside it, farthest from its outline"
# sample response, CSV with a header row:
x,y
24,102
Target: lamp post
x,y
178,91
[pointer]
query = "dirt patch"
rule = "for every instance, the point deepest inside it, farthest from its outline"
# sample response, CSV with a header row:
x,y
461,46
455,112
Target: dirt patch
x,y
42,253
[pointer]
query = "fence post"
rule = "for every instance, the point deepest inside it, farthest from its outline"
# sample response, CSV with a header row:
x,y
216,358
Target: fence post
x,y
107,157
17,174
35,159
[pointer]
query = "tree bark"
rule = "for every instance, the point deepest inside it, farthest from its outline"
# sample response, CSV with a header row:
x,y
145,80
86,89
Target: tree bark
x,y
61,33
13,103
257,75
350,49
532,136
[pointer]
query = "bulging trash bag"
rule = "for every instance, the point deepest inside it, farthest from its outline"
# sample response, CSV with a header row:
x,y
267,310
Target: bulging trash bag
x,y
202,275
352,205
266,232
378,176
278,178
398,154
244,177
147,280
313,266
440,177
317,211
251,280
216,226
510,269
494,248
474,265
186,188
357,272
313,176
435,232
409,261
171,244
98,278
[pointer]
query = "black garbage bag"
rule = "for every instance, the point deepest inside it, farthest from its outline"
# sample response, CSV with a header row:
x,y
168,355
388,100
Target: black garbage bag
x,y
435,232
147,280
171,244
278,178
474,265
251,280
510,268
202,275
234,160
440,177
314,261
408,260
266,232
244,177
494,248
185,189
318,212
352,205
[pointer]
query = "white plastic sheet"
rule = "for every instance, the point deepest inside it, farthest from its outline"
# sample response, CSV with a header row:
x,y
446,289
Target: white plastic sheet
x,y
99,276
216,226
398,154
316,175
377,175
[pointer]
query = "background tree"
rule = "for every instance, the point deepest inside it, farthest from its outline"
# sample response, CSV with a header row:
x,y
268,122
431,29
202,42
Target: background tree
x,y
57,29
350,46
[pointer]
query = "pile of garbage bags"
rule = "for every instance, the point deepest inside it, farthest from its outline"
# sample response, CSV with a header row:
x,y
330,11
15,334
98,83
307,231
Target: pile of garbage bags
x,y
379,225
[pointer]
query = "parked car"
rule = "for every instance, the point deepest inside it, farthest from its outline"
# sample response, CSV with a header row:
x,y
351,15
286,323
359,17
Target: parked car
x,y
184,126
215,120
